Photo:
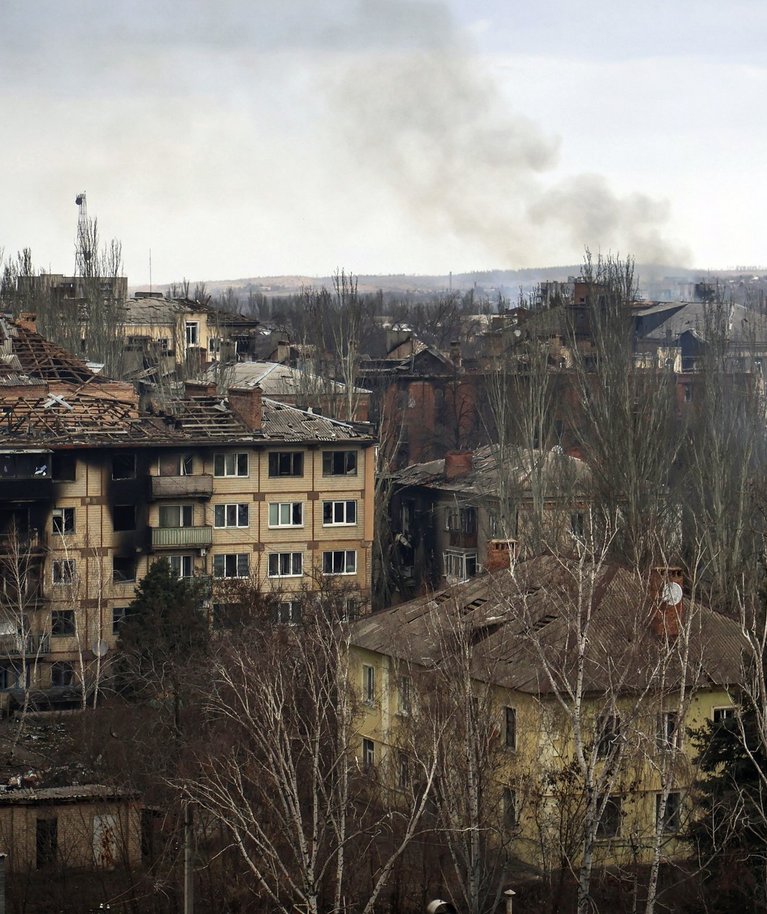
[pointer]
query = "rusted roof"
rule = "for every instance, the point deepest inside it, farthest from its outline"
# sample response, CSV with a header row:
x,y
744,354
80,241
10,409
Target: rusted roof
x,y
523,624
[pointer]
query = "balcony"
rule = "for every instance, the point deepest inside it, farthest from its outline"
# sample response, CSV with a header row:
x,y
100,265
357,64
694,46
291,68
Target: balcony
x,y
17,645
22,543
179,537
200,486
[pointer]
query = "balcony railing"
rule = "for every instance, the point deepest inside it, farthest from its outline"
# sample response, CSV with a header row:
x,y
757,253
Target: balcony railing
x,y
22,542
31,645
200,486
175,537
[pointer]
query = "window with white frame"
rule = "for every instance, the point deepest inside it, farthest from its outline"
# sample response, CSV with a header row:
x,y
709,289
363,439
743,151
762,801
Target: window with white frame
x,y
339,463
233,464
182,566
176,515
231,565
63,520
460,566
286,564
64,571
667,722
368,684
235,515
720,715
192,333
339,561
286,514
368,753
339,513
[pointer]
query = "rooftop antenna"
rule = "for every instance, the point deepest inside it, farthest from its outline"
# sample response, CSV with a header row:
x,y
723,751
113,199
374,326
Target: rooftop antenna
x,y
83,250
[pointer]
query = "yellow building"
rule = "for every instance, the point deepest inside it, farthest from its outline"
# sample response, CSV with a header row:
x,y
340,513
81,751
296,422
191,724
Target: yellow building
x,y
93,490
573,681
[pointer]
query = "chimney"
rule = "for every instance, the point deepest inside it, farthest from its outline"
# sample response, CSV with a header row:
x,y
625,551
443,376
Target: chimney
x,y
666,593
458,464
500,554
245,403
200,388
27,320
455,353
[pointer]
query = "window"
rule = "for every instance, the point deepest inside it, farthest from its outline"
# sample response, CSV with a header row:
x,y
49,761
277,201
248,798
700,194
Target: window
x,y
192,333
63,520
230,464
720,715
64,467
123,517
368,753
368,684
123,569
405,695
286,564
46,841
64,571
176,465
62,673
286,514
667,730
182,566
609,825
287,612
510,728
119,615
124,466
608,734
339,513
403,770
231,565
231,515
671,814
176,515
286,463
460,566
461,520
62,622
351,609
509,807
339,463
341,561
577,524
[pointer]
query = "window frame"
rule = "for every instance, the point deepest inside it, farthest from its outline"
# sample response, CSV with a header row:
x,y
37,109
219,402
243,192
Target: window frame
x,y
67,527
238,506
224,559
368,753
124,455
291,507
63,572
58,628
510,732
275,461
612,815
182,560
292,561
182,510
368,684
331,458
220,463
608,734
672,817
333,504
329,559
667,730
452,556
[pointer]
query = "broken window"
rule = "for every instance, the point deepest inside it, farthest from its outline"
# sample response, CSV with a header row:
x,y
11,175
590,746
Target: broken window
x,y
63,520
46,841
339,463
123,569
123,517
124,466
286,463
63,622
231,515
230,464
341,561
64,571
231,565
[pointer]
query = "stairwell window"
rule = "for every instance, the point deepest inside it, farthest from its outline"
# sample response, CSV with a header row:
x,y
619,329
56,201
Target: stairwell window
x,y
341,561
339,463
286,564
230,464
368,753
510,728
231,565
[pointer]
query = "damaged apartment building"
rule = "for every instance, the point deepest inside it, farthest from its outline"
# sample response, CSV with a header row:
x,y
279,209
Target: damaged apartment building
x,y
93,490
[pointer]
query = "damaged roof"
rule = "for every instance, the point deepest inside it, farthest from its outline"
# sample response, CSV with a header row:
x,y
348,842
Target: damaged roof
x,y
25,352
522,623
276,379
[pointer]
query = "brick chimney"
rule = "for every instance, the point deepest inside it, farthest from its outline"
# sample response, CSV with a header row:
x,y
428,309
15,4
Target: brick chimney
x,y
200,389
455,353
27,320
500,554
245,403
666,583
458,464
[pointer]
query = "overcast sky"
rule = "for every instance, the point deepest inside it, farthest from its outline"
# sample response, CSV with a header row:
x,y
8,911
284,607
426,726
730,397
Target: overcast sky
x,y
256,137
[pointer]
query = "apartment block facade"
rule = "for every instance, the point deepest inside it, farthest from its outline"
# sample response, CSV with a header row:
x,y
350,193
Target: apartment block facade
x,y
93,490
